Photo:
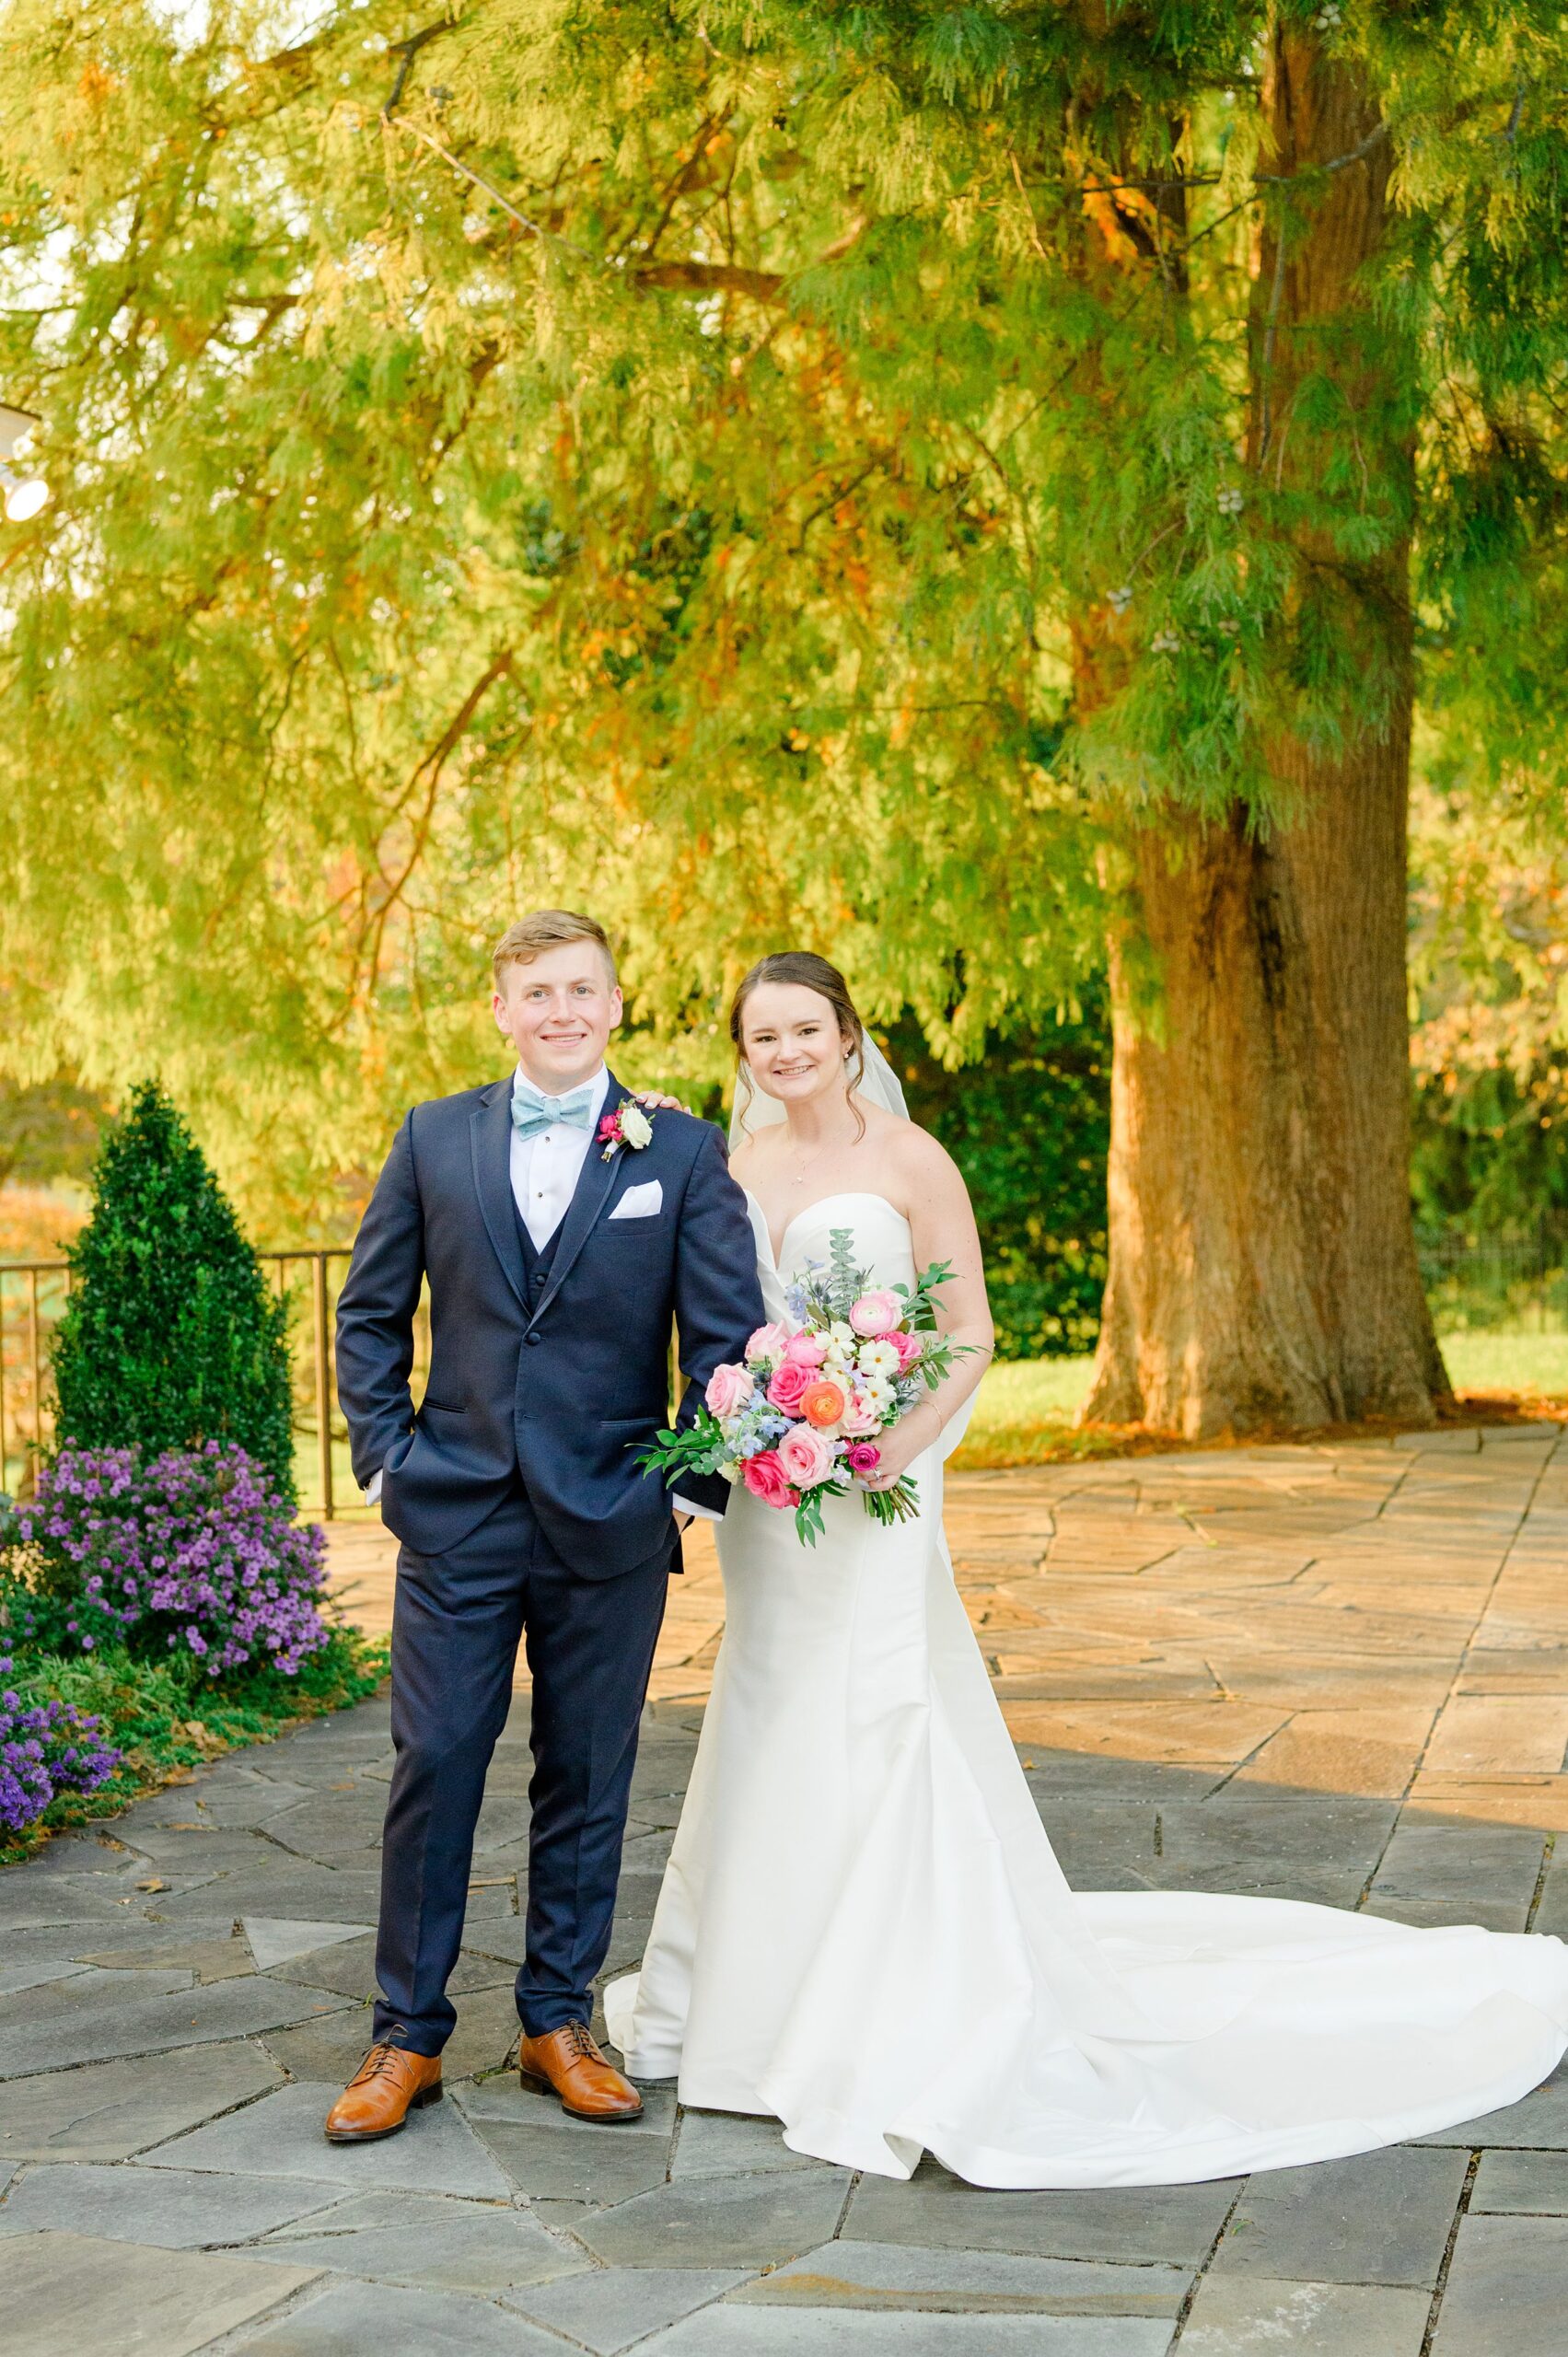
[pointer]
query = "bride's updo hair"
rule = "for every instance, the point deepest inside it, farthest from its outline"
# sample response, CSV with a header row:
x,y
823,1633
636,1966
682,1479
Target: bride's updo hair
x,y
804,968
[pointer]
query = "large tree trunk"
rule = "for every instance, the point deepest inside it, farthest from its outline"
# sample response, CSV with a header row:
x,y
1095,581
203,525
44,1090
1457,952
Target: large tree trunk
x,y
1262,1260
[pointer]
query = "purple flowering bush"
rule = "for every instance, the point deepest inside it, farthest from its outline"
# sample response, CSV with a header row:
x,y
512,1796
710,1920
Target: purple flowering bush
x,y
47,1749
192,1553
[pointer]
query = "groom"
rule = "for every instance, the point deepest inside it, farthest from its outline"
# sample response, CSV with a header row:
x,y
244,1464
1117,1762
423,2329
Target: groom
x,y
561,1229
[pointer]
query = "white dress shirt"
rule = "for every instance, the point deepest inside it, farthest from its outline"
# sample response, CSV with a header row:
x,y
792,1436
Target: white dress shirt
x,y
545,1169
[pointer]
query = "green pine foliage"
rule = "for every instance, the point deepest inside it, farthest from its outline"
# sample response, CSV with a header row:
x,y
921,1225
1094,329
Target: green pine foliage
x,y
172,1336
682,459
1028,1126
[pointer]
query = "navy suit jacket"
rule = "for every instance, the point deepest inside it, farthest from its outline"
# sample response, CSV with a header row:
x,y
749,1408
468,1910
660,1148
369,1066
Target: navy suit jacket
x,y
563,1390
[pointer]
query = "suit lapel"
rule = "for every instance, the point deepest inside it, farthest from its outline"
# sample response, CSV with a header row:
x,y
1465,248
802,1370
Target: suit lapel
x,y
596,1182
490,1135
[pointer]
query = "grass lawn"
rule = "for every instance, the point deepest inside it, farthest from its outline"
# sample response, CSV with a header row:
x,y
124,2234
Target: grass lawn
x,y
1533,1366
1024,1414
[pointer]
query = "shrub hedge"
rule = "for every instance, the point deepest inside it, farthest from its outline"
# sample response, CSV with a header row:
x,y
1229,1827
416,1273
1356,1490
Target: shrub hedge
x,y
172,1337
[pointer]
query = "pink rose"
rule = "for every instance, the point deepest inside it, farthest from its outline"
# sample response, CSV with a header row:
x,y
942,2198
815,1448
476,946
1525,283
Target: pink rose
x,y
729,1388
908,1346
806,1457
768,1343
863,1458
766,1478
860,1416
805,1349
789,1381
875,1312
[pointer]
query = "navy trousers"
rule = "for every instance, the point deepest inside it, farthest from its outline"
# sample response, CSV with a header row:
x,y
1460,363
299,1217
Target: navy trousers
x,y
456,1625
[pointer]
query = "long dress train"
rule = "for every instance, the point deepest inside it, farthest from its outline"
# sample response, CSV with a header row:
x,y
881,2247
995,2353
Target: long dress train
x,y
863,1932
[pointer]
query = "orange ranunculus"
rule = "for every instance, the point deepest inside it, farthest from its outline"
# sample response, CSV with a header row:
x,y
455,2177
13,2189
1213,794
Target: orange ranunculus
x,y
822,1404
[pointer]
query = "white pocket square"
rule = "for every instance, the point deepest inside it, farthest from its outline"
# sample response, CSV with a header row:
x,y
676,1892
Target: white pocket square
x,y
640,1202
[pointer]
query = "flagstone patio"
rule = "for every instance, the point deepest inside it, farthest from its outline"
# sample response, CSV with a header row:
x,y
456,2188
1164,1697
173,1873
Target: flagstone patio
x,y
1339,1673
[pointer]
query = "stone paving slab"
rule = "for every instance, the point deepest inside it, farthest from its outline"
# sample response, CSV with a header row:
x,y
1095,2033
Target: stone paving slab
x,y
607,2312
1251,2317
722,2222
1380,2218
109,2111
281,2136
347,1968
597,2170
712,2144
729,2331
14,1978
330,2047
384,2320
176,2208
275,1939
65,2295
503,2099
1508,2289
877,2276
95,2024
1539,2122
1338,1673
425,2241
1534,2182
1176,2225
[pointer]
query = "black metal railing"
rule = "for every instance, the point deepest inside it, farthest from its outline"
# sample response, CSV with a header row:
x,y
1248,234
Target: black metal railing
x,y
1497,1280
34,1293
1481,1280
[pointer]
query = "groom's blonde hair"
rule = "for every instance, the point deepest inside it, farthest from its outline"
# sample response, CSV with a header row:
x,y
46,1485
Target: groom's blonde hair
x,y
548,929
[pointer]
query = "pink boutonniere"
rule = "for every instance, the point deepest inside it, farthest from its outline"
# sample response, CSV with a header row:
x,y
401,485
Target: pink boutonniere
x,y
628,1126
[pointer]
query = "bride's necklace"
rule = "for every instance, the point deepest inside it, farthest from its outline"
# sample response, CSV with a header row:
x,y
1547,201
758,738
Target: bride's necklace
x,y
808,1166
817,1154
812,1159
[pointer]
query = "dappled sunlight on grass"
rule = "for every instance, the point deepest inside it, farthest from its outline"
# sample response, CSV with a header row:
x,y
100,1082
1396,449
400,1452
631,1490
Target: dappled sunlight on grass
x,y
1532,1366
1024,1414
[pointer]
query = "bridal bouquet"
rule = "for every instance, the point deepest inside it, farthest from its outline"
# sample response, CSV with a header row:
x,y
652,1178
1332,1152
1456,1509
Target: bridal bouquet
x,y
801,1419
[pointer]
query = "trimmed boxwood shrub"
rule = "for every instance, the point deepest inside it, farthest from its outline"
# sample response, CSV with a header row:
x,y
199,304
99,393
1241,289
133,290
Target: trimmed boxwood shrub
x,y
172,1337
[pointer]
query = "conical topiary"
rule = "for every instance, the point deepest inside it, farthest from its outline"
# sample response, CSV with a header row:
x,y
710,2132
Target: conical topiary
x,y
171,1336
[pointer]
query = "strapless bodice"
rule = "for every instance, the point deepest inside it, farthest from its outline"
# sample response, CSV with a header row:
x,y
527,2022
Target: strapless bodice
x,y
884,1247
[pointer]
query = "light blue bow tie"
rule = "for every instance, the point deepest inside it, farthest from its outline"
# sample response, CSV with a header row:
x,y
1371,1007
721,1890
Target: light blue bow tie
x,y
533,1112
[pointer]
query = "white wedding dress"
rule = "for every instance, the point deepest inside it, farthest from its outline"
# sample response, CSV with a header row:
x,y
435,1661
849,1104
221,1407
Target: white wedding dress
x,y
863,1932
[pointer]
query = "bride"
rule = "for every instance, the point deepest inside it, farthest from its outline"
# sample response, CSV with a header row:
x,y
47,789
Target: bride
x,y
862,1931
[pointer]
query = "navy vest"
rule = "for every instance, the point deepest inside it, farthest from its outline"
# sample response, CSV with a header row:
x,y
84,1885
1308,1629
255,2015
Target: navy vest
x,y
537,1262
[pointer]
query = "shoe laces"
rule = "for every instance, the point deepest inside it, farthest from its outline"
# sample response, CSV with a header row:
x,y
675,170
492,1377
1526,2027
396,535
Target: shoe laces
x,y
581,2041
378,2059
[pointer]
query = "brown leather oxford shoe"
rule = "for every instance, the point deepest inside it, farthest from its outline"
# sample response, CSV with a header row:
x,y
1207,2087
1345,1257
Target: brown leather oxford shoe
x,y
568,2064
388,2086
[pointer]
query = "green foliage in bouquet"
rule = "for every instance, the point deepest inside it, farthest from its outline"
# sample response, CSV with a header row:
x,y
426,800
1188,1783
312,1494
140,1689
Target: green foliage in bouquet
x,y
740,1441
172,1337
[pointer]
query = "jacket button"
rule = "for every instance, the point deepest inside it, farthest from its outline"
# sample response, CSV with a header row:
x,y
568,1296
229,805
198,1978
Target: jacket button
x,y
534,1338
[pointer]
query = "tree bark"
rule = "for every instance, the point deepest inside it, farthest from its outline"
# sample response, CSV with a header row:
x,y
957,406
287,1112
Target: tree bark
x,y
1263,1267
